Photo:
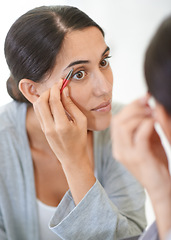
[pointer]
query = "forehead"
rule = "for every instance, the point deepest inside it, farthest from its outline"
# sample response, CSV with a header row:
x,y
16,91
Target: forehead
x,y
83,44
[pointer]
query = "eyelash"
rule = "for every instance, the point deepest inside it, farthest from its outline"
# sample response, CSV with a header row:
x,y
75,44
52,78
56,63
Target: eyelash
x,y
74,74
105,58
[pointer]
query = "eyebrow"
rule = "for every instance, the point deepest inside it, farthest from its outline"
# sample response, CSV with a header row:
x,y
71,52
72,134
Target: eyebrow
x,y
85,61
106,50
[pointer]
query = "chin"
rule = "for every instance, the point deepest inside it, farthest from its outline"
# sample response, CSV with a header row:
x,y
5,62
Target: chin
x,y
100,124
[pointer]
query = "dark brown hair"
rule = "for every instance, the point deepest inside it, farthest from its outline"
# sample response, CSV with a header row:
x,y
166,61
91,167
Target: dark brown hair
x,y
35,39
158,65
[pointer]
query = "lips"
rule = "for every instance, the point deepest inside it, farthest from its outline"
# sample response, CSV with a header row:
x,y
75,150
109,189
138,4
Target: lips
x,y
105,106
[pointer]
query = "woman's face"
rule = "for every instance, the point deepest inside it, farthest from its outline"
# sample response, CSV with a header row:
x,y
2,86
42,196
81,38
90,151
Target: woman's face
x,y
91,83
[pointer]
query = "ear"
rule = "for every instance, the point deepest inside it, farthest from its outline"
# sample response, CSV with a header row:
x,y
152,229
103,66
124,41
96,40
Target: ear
x,y
29,89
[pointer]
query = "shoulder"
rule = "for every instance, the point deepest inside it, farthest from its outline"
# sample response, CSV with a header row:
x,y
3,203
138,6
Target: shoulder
x,y
11,115
12,138
12,129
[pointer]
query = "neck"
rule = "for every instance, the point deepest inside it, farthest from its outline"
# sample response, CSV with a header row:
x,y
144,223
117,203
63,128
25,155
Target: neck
x,y
35,134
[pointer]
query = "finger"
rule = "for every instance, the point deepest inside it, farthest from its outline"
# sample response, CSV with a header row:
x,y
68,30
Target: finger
x,y
137,107
42,110
75,113
124,133
56,106
125,130
134,123
146,131
129,134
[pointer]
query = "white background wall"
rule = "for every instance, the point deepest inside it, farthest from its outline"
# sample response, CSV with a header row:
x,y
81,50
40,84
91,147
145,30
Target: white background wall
x,y
129,25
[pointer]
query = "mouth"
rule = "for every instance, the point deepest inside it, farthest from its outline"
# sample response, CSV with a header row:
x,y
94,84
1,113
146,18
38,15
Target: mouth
x,y
103,107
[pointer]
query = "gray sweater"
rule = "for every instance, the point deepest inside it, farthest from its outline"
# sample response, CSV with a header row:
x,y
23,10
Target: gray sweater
x,y
112,209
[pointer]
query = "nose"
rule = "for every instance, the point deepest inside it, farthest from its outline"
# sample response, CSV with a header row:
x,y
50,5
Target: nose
x,y
102,83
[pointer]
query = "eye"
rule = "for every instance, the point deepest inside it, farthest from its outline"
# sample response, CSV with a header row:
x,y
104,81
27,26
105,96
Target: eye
x,y
79,75
105,62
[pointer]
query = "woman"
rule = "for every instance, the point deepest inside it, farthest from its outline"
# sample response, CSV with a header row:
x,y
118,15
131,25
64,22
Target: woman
x,y
134,132
55,146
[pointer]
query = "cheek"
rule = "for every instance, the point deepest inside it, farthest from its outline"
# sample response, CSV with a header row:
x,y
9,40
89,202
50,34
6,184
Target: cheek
x,y
42,87
109,76
80,95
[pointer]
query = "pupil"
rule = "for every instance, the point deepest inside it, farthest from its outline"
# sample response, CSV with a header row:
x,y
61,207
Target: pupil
x,y
103,62
79,75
